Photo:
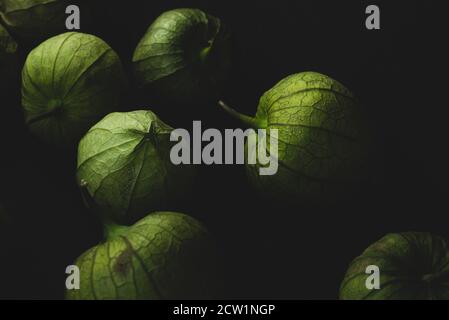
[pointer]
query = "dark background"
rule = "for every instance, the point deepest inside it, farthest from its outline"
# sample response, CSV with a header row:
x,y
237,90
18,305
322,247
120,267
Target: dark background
x,y
270,250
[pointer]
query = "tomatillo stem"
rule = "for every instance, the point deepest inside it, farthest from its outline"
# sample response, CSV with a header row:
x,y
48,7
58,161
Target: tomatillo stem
x,y
113,230
250,121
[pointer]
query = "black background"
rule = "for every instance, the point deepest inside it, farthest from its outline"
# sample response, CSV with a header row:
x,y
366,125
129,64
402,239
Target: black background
x,y
270,250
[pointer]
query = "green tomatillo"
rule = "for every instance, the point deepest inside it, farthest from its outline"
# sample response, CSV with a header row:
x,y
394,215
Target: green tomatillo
x,y
124,165
401,266
321,139
69,83
184,56
35,18
163,256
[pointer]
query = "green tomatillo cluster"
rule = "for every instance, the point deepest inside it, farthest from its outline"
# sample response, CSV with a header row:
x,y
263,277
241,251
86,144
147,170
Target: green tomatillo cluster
x,y
72,89
125,172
